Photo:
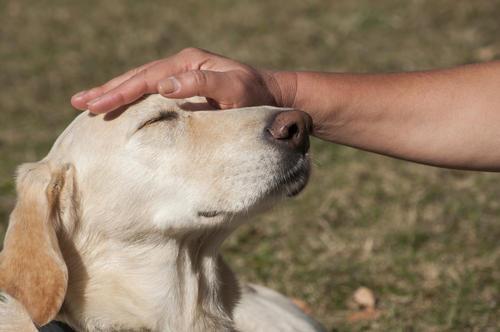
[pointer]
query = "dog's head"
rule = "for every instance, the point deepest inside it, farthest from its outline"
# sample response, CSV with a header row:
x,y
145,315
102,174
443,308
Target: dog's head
x,y
156,168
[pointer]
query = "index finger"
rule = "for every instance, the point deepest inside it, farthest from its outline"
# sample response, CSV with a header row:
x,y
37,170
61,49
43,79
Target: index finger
x,y
81,99
146,80
143,82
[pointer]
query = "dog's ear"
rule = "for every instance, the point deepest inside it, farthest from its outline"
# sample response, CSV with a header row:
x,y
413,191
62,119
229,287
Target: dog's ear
x,y
32,268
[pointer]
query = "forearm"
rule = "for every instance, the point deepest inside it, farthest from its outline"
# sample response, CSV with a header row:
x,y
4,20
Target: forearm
x,y
448,118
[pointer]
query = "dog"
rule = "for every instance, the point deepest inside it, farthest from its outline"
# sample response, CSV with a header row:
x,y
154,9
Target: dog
x,y
119,227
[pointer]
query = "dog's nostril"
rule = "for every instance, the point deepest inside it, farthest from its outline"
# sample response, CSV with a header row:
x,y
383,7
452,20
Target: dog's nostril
x,y
293,131
284,132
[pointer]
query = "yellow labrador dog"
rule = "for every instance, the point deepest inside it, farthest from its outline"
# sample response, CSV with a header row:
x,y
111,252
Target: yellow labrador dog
x,y
119,227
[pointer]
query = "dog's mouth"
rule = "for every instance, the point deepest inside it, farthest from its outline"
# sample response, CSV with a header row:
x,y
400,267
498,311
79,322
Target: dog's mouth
x,y
293,179
288,181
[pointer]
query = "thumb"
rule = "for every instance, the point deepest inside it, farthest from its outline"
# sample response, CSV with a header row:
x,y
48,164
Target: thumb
x,y
211,84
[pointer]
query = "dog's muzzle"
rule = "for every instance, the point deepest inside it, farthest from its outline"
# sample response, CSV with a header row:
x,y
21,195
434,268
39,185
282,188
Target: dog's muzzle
x,y
290,130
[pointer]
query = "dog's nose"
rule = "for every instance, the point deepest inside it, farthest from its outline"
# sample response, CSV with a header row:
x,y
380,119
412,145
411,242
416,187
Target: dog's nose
x,y
291,129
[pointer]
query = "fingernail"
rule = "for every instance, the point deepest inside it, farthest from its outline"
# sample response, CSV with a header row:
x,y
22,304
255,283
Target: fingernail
x,y
94,101
168,86
79,94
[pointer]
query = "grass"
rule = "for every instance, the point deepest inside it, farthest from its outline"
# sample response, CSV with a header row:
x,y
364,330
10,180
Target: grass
x,y
425,240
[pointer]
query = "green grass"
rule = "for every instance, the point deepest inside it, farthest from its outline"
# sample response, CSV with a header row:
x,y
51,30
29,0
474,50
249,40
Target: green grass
x,y
425,240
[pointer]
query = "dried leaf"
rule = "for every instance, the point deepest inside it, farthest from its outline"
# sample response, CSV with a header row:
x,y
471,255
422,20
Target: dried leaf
x,y
302,306
364,298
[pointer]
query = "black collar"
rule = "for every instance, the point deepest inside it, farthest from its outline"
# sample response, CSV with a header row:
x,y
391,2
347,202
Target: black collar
x,y
56,327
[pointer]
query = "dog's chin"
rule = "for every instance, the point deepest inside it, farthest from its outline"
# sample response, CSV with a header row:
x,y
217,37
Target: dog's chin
x,y
293,178
295,188
289,181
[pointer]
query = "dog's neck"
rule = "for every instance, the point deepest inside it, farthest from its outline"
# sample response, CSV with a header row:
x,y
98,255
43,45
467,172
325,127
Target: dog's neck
x,y
177,284
207,289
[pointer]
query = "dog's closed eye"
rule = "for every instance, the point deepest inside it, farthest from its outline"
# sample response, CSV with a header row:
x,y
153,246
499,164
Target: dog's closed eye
x,y
209,214
162,116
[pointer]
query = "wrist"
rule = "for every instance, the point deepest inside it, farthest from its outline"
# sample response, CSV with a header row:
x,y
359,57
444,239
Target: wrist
x,y
282,86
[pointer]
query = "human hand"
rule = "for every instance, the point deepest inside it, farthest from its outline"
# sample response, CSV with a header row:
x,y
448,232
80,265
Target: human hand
x,y
192,72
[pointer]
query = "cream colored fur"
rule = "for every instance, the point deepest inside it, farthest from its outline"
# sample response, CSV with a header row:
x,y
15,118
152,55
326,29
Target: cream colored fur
x,y
140,208
13,315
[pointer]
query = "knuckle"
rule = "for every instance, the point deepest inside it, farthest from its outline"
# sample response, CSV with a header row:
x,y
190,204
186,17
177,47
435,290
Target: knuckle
x,y
136,71
192,52
240,89
144,76
199,77
143,73
120,98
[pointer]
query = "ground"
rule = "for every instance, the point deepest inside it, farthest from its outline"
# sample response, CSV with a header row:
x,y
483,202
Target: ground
x,y
424,240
